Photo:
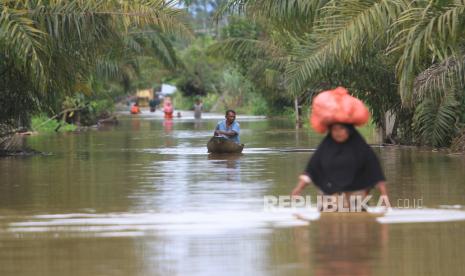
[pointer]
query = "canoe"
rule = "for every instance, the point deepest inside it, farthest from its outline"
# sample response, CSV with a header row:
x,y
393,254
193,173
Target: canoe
x,y
223,145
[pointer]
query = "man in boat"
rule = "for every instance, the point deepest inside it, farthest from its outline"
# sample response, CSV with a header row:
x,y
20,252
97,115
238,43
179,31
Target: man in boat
x,y
228,128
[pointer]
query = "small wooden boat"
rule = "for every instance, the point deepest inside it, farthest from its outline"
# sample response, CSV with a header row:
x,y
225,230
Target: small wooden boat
x,y
223,145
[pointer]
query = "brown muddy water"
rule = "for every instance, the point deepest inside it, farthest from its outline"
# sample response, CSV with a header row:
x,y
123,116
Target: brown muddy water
x,y
145,198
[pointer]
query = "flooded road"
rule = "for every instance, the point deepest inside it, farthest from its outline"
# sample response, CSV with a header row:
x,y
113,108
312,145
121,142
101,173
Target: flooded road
x,y
145,198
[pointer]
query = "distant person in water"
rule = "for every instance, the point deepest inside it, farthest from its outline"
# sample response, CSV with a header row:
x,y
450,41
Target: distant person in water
x,y
135,109
198,106
228,128
168,108
153,103
344,165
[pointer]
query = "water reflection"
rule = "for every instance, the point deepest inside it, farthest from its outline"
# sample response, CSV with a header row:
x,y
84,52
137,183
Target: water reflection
x,y
135,124
230,163
145,198
168,126
347,244
198,124
68,256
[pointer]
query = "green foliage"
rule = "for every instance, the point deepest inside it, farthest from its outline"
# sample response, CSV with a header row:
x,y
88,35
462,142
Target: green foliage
x,y
201,72
240,27
183,102
262,61
398,56
187,103
435,120
234,88
284,15
53,49
209,101
95,110
259,106
202,12
42,123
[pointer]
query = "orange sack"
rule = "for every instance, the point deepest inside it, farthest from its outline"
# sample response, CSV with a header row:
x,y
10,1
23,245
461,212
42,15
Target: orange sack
x,y
337,106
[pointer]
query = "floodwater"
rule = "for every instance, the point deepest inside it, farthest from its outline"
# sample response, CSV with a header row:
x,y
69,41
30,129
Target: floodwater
x,y
144,198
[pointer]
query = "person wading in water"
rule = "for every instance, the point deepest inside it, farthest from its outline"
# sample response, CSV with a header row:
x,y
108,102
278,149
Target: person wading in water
x,y
343,164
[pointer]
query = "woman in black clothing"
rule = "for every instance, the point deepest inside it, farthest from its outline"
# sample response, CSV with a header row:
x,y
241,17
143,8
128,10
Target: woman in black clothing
x,y
343,164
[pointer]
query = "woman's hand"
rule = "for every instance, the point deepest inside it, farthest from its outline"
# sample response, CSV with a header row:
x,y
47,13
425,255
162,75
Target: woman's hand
x,y
296,191
383,192
304,180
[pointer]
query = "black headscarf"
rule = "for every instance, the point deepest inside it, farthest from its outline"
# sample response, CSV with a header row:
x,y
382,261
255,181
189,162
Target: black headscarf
x,y
343,167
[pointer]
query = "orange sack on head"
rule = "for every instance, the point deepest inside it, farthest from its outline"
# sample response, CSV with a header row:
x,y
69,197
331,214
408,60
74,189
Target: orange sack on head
x,y
337,106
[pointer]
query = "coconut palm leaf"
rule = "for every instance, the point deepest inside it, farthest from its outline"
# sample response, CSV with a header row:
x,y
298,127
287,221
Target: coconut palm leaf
x,y
439,77
339,37
435,120
431,30
23,41
290,15
55,46
237,48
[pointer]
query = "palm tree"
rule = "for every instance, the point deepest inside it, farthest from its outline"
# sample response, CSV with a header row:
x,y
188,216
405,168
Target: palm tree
x,y
420,43
49,48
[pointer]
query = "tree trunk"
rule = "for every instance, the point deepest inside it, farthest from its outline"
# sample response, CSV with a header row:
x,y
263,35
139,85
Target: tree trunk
x,y
298,113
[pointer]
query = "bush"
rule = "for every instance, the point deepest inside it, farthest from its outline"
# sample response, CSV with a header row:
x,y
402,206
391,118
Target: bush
x,y
95,110
42,123
182,102
209,101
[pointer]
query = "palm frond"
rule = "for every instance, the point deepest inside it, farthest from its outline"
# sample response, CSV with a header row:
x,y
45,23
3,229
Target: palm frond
x,y
21,39
439,77
435,120
339,37
236,48
289,15
163,14
161,49
428,32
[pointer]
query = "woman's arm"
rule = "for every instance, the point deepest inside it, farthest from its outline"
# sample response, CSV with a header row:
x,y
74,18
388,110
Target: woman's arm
x,y
384,198
382,188
304,180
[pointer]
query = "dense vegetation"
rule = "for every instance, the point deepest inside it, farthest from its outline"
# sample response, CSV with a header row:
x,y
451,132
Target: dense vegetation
x,y
402,57
60,56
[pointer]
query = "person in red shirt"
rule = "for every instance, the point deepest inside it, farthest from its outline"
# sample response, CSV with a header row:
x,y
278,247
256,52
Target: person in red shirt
x,y
135,109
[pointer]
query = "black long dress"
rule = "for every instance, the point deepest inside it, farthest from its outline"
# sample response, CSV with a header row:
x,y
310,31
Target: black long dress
x,y
343,167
